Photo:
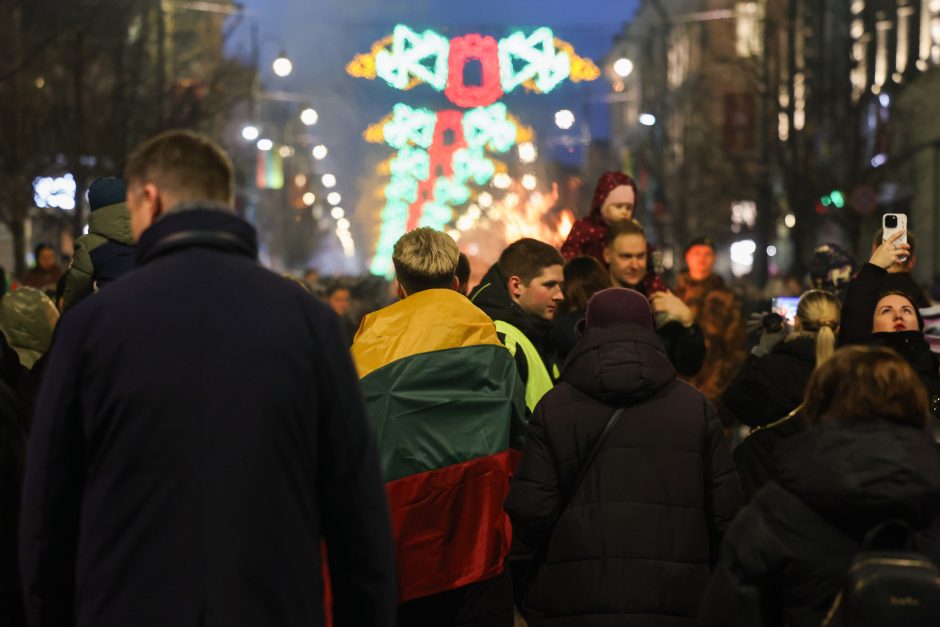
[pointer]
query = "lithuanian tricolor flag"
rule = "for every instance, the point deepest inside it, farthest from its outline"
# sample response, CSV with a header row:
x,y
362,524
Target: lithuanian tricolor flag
x,y
449,414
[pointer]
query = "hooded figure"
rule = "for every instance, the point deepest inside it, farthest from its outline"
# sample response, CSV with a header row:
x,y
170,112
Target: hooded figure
x,y
635,544
614,200
107,251
27,319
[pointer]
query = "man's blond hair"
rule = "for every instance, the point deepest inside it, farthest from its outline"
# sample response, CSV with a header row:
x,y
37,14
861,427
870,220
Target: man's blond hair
x,y
425,259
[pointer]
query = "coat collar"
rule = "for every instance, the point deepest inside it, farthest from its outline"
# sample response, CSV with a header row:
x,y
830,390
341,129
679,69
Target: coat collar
x,y
198,228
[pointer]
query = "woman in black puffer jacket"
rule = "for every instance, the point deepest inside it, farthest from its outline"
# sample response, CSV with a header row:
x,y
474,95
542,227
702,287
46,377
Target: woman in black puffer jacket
x,y
636,543
768,391
772,384
867,460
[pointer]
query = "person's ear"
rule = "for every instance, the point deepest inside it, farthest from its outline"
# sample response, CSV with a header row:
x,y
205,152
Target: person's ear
x,y
154,201
455,285
516,286
606,255
400,290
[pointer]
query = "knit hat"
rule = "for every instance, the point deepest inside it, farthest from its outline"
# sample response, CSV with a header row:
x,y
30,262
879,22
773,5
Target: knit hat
x,y
607,182
831,268
701,240
618,305
106,191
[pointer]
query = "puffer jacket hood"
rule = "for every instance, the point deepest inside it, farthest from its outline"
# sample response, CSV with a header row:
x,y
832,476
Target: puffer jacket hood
x,y
619,364
859,474
112,222
27,319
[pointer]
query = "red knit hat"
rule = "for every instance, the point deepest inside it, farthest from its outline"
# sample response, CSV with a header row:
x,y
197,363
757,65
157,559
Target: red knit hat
x,y
607,182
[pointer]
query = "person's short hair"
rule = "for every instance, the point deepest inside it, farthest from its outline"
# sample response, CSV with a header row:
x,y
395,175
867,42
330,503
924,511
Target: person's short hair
x,y
584,277
623,227
187,165
425,259
41,247
860,383
879,238
335,287
463,269
527,258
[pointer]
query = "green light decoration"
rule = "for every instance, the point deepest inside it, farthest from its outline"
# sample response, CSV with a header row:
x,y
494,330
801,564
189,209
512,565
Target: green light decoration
x,y
436,215
449,191
410,127
542,62
472,164
422,56
413,162
837,198
403,188
489,126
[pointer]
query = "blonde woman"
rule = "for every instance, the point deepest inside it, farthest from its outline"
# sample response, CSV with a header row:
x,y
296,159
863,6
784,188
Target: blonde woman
x,y
768,392
771,385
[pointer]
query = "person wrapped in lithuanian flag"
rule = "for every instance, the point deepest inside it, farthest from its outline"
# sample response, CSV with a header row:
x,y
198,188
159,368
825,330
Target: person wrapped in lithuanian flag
x,y
449,414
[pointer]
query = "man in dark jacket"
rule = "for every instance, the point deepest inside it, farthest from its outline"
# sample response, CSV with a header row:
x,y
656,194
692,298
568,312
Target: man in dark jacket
x,y
635,544
627,255
199,430
521,293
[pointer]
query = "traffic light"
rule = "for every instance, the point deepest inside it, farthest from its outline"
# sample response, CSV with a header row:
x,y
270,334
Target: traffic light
x,y
835,198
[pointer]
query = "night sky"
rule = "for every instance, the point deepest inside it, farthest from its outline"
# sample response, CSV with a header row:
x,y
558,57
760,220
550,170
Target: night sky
x,y
322,36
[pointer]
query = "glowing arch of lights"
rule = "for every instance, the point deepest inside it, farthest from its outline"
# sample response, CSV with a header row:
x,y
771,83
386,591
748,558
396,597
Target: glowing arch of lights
x,y
439,154
538,62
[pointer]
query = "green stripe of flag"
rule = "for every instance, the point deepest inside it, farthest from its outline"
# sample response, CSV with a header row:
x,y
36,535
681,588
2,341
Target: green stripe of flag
x,y
445,407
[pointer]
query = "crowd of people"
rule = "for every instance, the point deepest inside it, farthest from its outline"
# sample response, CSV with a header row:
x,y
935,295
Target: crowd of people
x,y
187,438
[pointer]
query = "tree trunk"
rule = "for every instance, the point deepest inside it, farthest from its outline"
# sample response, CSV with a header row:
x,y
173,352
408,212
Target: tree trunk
x,y
17,228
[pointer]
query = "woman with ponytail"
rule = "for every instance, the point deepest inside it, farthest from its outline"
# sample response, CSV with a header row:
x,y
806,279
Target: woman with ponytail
x,y
771,383
768,393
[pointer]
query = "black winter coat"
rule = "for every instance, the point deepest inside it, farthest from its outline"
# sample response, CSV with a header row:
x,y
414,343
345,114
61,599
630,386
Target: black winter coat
x,y
770,387
792,546
199,430
636,543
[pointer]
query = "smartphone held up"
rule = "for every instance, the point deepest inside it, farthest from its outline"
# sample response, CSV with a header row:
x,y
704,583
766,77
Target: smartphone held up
x,y
892,224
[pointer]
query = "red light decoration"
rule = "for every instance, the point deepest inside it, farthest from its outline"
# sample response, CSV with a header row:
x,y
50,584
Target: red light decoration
x,y
449,126
480,48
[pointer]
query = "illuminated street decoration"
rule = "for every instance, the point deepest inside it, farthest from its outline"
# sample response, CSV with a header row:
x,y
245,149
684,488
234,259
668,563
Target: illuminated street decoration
x,y
484,50
440,154
422,56
542,62
408,58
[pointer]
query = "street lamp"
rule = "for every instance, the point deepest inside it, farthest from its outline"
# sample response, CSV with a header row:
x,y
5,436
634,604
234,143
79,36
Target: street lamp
x,y
647,119
564,119
250,133
282,65
334,198
337,213
265,144
328,180
319,152
309,117
623,67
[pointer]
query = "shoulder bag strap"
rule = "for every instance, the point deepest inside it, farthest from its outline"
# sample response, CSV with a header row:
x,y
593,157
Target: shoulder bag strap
x,y
582,472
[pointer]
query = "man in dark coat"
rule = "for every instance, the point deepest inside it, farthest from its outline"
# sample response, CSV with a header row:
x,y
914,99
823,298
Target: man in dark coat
x,y
635,544
199,431
521,292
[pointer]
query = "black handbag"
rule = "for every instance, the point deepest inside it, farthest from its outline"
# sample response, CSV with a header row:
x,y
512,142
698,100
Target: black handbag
x,y
888,586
